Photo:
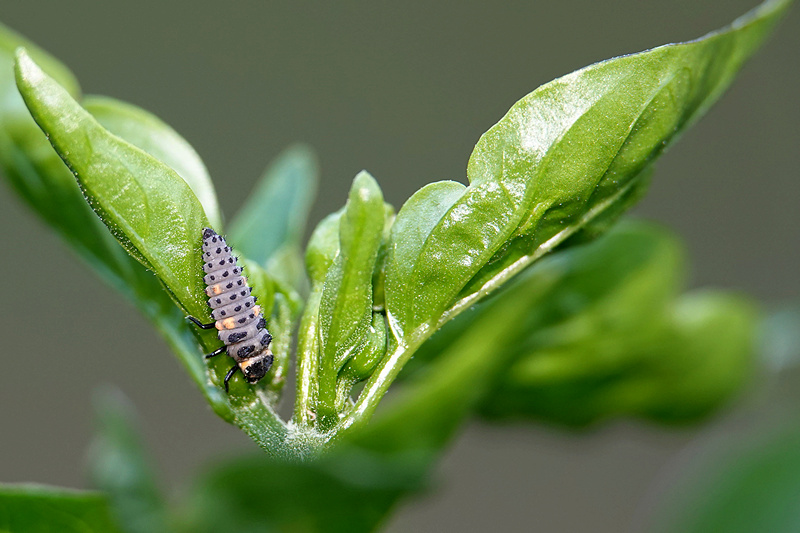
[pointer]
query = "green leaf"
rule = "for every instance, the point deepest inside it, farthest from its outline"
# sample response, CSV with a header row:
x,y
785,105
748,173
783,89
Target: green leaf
x,y
146,131
708,359
121,469
40,177
41,509
323,247
320,253
379,276
344,492
162,222
346,304
560,159
612,291
147,206
361,365
410,231
738,487
276,211
428,410
609,338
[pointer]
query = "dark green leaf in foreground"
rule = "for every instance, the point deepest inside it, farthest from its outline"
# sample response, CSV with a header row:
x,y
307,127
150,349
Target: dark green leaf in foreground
x,y
562,157
738,487
148,207
40,509
336,494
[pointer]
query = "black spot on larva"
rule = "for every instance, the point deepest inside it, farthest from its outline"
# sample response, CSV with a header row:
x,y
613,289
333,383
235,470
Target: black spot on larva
x,y
222,262
244,351
236,337
242,320
222,313
229,286
230,259
225,274
252,315
219,301
239,282
237,308
247,304
219,250
261,323
233,296
212,278
266,339
243,293
213,239
209,265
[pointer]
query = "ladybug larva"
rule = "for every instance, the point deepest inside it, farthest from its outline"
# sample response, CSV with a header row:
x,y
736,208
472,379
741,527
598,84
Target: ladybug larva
x,y
241,325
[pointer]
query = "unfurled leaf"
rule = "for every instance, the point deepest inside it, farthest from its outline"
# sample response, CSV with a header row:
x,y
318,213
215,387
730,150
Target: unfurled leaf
x,y
152,211
146,205
146,131
275,214
563,157
345,310
346,305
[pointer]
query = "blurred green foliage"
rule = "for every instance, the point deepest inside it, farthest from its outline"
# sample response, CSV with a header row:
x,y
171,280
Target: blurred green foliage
x,y
516,295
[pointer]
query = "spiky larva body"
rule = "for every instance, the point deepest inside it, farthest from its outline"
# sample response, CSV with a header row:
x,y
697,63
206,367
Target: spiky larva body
x,y
240,323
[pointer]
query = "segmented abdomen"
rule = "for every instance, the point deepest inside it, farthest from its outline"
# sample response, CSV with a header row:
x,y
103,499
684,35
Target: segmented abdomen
x,y
241,324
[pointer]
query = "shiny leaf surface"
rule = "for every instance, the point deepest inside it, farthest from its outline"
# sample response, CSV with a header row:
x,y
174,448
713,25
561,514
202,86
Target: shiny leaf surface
x,y
146,205
146,131
562,157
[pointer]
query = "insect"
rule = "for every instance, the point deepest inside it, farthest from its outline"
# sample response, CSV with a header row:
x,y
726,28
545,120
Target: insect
x,y
241,325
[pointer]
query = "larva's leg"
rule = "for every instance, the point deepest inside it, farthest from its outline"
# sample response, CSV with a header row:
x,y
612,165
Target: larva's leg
x,y
229,375
200,324
216,352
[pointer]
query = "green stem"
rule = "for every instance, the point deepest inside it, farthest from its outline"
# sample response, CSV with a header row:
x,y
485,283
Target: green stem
x,y
378,384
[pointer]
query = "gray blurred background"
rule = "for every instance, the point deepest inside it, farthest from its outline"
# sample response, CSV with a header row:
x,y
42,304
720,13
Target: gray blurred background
x,y
404,90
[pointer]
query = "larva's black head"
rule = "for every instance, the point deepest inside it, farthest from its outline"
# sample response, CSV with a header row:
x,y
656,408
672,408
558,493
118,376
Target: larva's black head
x,y
208,233
256,368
